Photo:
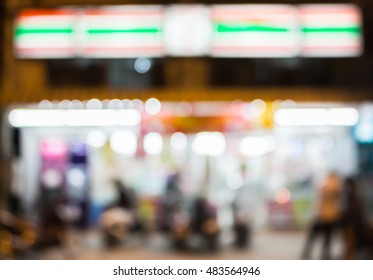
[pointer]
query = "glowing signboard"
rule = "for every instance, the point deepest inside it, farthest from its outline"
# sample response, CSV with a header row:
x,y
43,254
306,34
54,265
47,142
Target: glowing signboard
x,y
187,30
122,31
45,34
255,31
331,30
246,30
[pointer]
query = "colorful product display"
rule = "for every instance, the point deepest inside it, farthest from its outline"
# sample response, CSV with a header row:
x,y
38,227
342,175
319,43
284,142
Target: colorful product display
x,y
54,157
64,179
77,183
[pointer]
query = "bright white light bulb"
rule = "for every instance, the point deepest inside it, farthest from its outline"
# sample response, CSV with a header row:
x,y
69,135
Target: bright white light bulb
x,y
209,143
96,139
153,143
94,104
257,145
76,177
153,106
343,116
45,104
124,142
178,141
52,178
142,65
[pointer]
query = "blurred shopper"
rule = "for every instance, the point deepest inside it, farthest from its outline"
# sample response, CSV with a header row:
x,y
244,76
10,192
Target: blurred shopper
x,y
204,222
121,217
195,227
328,215
241,225
171,202
52,226
353,220
242,210
17,236
180,227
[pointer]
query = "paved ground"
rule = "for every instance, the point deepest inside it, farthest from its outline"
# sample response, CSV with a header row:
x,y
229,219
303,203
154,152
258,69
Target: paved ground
x,y
266,245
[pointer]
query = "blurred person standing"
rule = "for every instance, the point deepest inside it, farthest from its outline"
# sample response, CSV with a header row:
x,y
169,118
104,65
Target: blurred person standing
x,y
353,219
172,200
327,217
242,210
121,217
204,222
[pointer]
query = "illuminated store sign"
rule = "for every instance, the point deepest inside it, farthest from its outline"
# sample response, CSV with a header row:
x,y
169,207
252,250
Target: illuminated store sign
x,y
255,31
190,30
331,30
187,30
45,33
123,31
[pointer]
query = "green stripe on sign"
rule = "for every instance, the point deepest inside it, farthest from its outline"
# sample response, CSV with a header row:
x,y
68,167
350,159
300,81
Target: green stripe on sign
x,y
24,31
134,30
355,30
249,28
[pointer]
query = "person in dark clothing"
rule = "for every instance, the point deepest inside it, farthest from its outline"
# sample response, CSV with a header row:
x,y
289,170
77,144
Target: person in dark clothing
x,y
121,217
172,201
200,214
204,222
127,200
126,196
353,220
241,227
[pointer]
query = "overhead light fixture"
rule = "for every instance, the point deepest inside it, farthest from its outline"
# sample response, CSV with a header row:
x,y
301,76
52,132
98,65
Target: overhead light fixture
x,y
317,116
209,143
96,139
343,116
153,143
124,142
178,141
257,145
79,117
153,106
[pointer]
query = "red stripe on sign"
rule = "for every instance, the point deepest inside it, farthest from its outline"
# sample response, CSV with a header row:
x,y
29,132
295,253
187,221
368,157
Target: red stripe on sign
x,y
70,50
46,12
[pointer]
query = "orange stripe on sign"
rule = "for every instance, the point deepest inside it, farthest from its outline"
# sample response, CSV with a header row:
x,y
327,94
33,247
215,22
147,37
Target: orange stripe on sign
x,y
46,12
45,50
